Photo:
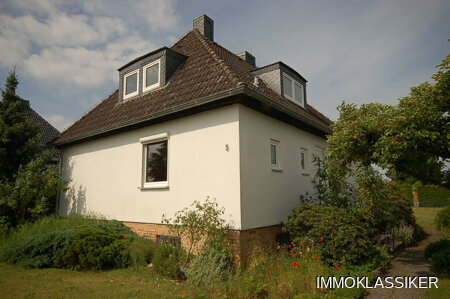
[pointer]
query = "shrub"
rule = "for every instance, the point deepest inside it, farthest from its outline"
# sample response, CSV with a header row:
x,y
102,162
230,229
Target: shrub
x,y
37,251
213,264
167,260
141,252
441,261
436,247
337,235
442,220
94,248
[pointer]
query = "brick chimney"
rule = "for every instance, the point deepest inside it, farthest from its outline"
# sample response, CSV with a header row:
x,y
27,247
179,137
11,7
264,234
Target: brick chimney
x,y
249,58
205,25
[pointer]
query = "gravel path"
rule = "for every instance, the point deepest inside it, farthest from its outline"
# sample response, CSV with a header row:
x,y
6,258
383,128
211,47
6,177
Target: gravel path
x,y
411,262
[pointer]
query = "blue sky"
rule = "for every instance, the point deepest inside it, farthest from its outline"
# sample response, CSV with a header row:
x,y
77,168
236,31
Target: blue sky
x,y
66,52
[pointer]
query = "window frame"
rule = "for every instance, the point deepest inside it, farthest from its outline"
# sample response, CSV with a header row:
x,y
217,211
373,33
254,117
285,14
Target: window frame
x,y
144,76
277,166
304,151
144,142
135,93
292,99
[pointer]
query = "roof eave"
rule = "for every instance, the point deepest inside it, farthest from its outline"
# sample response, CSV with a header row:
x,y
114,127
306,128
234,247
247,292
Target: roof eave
x,y
241,90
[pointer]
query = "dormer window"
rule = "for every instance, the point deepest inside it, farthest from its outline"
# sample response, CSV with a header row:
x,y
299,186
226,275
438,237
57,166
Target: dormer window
x,y
151,76
130,82
293,90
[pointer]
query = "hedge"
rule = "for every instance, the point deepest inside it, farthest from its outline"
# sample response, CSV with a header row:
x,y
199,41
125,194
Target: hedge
x,y
429,195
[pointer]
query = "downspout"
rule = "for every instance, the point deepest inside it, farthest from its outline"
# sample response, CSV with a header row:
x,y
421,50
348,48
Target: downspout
x,y
58,195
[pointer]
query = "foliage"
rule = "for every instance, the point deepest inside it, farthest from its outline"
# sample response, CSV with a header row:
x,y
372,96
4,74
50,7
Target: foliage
x,y
20,140
439,254
442,222
33,193
203,223
76,242
94,248
435,247
429,195
167,260
410,138
213,264
338,236
256,287
441,261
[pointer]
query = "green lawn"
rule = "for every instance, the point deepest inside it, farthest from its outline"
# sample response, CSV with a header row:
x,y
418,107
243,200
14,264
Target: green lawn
x,y
425,218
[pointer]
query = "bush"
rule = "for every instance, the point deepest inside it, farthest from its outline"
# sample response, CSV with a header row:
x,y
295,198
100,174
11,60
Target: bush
x,y
337,235
215,263
436,247
167,260
77,242
94,248
442,220
441,261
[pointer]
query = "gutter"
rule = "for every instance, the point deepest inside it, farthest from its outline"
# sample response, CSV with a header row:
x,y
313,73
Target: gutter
x,y
208,99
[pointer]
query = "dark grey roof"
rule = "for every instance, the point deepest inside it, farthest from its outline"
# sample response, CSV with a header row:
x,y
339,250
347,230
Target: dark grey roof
x,y
50,132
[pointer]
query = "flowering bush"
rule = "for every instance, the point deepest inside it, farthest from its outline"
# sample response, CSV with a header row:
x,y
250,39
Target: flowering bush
x,y
442,222
335,234
167,260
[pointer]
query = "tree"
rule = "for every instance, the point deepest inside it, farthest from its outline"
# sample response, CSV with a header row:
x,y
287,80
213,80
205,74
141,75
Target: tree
x,y
19,138
409,139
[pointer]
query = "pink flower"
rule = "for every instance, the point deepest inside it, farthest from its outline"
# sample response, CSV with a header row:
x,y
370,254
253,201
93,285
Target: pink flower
x,y
124,236
278,247
289,246
182,293
295,265
338,268
316,256
270,271
321,239
303,243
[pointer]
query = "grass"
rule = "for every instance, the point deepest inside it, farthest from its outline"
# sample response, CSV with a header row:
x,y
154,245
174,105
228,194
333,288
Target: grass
x,y
425,218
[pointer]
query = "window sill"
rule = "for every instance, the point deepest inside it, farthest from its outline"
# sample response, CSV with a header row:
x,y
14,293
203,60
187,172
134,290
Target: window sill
x,y
157,185
277,169
305,173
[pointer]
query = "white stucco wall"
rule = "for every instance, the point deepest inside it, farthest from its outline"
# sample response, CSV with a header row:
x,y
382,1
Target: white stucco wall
x,y
268,196
109,169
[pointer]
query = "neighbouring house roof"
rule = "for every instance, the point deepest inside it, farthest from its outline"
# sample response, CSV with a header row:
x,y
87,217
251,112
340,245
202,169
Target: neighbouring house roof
x,y
50,132
210,72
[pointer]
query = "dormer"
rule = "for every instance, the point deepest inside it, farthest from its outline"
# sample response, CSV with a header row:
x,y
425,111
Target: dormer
x,y
285,81
148,73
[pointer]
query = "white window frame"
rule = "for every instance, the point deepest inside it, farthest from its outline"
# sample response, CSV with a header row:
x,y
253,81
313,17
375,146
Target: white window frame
x,y
144,142
305,170
144,76
277,166
302,103
127,96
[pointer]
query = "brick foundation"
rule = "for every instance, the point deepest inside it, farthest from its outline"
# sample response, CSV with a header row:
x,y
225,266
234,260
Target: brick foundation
x,y
242,242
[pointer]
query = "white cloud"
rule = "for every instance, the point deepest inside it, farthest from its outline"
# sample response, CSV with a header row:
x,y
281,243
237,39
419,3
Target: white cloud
x,y
64,42
58,121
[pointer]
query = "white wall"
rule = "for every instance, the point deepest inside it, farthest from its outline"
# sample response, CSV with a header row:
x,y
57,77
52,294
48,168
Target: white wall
x,y
268,196
109,169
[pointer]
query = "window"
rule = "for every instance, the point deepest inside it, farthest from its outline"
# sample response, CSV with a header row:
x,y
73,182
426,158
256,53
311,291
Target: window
x,y
304,160
151,76
275,154
293,90
155,161
130,84
319,152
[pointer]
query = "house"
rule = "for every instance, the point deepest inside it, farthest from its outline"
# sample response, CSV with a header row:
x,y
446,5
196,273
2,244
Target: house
x,y
49,132
192,121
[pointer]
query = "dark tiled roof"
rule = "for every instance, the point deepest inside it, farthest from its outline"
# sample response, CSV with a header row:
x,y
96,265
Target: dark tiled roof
x,y
50,133
209,69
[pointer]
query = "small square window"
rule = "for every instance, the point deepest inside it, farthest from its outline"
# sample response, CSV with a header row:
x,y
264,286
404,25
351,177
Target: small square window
x,y
151,76
130,84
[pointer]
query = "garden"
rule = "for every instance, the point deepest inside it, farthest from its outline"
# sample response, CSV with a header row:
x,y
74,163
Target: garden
x,y
351,223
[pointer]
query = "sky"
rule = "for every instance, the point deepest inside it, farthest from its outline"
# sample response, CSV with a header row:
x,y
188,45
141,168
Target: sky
x,y
66,53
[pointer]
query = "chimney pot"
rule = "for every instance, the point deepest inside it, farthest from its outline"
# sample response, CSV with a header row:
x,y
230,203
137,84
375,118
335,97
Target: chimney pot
x,y
205,25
